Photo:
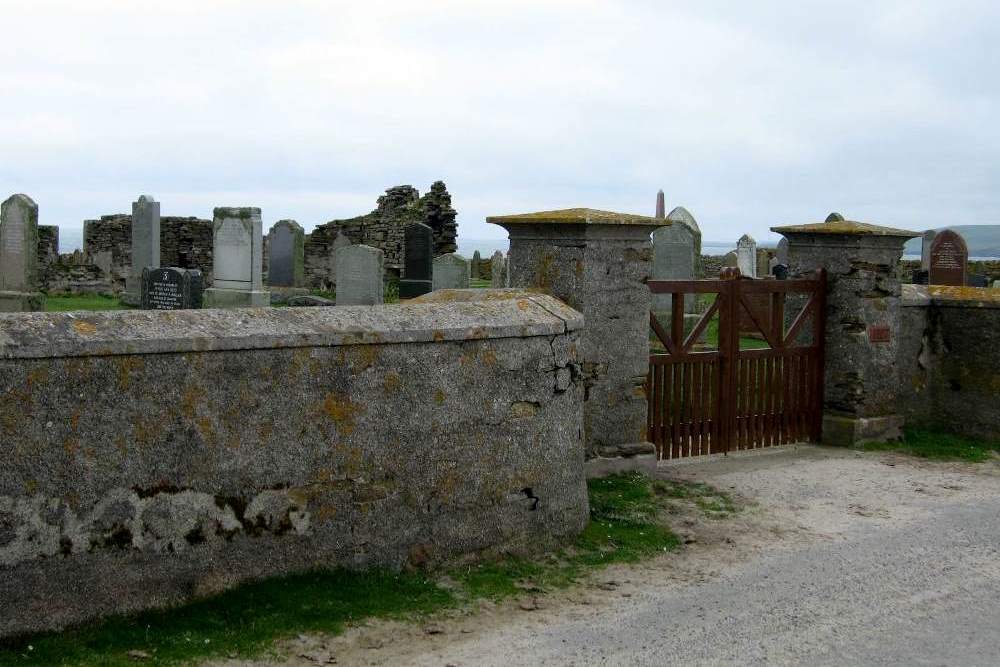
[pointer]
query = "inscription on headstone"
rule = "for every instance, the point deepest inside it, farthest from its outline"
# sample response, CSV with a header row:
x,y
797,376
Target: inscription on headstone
x,y
359,276
418,268
949,256
18,245
171,288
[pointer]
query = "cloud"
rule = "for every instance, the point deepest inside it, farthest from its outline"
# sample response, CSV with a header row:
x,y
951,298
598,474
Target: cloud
x,y
747,114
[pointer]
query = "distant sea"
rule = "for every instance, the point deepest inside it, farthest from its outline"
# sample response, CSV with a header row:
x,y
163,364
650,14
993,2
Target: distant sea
x,y
72,239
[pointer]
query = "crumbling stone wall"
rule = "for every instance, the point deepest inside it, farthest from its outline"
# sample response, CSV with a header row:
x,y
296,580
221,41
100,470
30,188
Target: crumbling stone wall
x,y
184,241
144,465
383,229
949,359
988,267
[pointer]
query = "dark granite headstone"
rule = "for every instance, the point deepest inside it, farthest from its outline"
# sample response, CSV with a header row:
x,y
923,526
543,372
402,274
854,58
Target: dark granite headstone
x,y
171,288
949,256
418,261
977,280
920,277
780,271
309,300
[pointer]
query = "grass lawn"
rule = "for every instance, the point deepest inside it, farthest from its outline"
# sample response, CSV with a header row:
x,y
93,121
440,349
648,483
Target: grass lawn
x,y
59,303
625,526
940,446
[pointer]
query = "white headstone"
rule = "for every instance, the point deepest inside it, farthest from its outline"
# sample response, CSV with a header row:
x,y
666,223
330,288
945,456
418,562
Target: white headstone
x,y
359,275
145,245
451,271
746,256
237,259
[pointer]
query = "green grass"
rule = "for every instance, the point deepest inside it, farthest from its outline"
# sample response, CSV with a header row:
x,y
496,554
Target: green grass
x,y
57,303
939,446
478,283
624,527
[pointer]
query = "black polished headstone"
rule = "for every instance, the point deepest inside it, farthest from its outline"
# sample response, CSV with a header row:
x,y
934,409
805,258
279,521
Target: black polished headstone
x,y
171,288
418,261
780,271
920,276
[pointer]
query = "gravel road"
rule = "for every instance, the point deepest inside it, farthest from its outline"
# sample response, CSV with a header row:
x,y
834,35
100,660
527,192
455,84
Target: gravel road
x,y
839,558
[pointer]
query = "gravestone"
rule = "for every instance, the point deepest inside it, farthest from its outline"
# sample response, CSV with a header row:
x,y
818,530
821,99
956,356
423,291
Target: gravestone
x,y
497,270
780,271
746,256
451,271
506,269
170,288
977,280
673,259
925,248
919,277
340,242
948,259
19,255
237,258
304,300
145,246
476,266
781,253
359,276
418,268
763,262
286,254
996,284
729,260
680,215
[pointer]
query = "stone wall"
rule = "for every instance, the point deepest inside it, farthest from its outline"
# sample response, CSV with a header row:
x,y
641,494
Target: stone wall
x,y
949,359
185,242
144,465
48,250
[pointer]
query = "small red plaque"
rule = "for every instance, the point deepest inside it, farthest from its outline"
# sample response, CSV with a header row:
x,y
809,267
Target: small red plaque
x,y
878,333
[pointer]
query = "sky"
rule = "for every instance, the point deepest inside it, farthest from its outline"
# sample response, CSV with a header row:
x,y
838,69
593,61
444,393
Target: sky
x,y
748,114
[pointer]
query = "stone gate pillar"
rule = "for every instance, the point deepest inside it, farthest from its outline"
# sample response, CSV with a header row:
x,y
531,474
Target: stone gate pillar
x,y
598,263
862,323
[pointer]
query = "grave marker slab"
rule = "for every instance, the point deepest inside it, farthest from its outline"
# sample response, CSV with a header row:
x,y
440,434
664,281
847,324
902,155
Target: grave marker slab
x,y
237,257
949,256
145,246
418,269
673,259
171,288
19,255
497,270
746,256
286,254
360,276
925,248
451,271
476,265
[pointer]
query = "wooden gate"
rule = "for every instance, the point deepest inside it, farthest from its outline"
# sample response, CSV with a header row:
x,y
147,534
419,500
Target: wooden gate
x,y
756,381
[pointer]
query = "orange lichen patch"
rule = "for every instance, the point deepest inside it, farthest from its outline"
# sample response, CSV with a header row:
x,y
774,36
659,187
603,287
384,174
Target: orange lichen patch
x,y
846,227
342,411
489,357
125,367
392,382
190,399
439,397
957,293
365,357
438,336
586,216
84,328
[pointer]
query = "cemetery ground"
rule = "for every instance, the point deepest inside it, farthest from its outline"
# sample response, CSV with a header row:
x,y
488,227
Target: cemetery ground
x,y
797,554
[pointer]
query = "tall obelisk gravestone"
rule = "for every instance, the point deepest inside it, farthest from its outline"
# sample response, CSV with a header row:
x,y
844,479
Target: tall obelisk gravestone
x,y
145,245
19,255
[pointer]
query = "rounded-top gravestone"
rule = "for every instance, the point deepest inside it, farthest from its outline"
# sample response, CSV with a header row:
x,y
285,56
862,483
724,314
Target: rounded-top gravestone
x,y
948,259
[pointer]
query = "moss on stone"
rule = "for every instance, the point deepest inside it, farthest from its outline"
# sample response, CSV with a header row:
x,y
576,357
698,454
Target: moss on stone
x,y
848,227
578,216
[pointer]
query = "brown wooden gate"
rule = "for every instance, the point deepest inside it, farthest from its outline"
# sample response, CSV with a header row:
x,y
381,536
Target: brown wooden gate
x,y
756,382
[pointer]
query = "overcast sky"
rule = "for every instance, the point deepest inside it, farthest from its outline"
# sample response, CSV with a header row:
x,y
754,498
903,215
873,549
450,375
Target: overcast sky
x,y
749,114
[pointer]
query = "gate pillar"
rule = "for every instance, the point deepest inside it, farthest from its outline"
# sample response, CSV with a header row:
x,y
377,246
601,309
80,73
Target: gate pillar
x,y
598,263
862,321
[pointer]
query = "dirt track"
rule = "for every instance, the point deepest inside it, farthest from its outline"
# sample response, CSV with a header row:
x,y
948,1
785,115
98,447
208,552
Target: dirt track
x,y
838,558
